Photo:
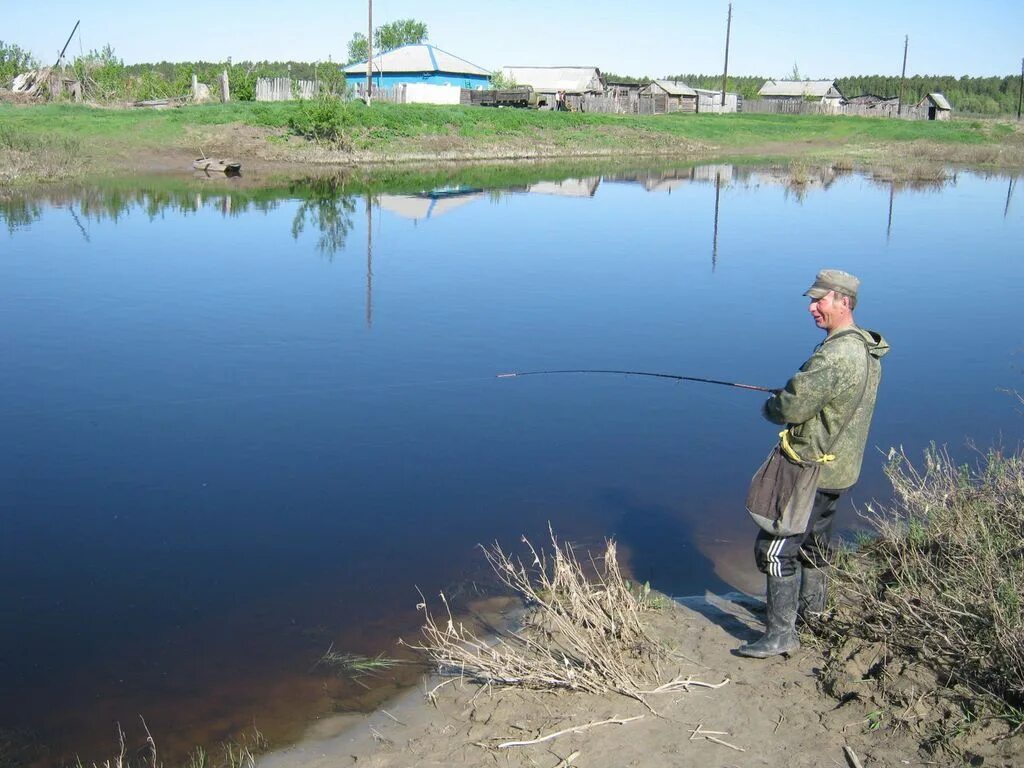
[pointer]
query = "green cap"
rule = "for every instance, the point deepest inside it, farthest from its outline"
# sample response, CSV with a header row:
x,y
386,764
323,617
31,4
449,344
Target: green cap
x,y
833,280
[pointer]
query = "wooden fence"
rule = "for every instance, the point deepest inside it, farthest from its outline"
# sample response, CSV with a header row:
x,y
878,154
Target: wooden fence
x,y
799,107
281,89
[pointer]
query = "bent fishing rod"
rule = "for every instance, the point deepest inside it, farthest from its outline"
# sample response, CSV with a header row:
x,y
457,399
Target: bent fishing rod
x,y
643,373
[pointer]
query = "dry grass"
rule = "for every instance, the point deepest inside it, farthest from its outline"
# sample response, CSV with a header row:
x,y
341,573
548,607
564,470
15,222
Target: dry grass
x,y
941,583
580,634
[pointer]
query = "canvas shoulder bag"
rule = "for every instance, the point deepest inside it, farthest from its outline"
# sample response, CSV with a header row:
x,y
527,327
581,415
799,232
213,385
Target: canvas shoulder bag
x,y
782,491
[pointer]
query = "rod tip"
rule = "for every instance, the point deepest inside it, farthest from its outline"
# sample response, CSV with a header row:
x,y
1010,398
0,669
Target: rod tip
x,y
506,375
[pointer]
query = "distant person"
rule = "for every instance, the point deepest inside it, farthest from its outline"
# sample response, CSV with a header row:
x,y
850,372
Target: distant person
x,y
827,408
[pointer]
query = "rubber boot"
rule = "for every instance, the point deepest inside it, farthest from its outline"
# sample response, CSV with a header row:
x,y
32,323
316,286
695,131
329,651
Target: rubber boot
x,y
813,589
781,637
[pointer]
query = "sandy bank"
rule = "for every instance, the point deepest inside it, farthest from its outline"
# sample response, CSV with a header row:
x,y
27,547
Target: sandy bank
x,y
770,713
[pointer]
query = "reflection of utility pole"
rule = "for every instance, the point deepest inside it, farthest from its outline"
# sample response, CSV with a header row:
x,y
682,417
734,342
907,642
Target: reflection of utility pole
x,y
714,244
369,261
725,73
888,229
1009,195
899,102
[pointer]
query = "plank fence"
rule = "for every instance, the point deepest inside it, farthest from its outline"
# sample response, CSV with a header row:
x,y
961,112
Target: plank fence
x,y
798,107
280,89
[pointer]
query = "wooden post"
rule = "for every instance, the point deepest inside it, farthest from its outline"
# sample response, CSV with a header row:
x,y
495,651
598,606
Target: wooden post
x,y
725,74
1020,99
903,74
369,53
225,87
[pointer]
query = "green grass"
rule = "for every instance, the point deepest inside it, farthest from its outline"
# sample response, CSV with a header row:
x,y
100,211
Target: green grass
x,y
389,123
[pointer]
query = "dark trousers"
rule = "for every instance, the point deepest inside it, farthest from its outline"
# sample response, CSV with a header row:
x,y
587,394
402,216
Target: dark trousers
x,y
778,555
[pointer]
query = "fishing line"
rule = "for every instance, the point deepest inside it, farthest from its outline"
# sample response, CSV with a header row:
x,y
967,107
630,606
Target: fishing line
x,y
241,396
643,373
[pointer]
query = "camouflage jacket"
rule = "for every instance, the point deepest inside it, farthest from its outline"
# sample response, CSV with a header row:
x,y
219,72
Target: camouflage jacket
x,y
823,394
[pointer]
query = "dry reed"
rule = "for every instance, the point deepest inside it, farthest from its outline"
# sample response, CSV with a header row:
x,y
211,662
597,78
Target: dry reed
x,y
942,581
579,633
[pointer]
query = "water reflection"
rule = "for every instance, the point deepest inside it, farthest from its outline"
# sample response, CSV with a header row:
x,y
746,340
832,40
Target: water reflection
x,y
279,403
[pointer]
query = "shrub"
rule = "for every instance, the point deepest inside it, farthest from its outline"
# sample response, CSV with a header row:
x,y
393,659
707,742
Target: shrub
x,y
13,61
942,580
320,119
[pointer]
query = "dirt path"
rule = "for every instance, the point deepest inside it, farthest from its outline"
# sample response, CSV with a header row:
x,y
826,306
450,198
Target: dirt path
x,y
769,713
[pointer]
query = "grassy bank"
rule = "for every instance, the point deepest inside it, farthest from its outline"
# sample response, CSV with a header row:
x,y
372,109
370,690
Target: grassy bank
x,y
929,620
109,141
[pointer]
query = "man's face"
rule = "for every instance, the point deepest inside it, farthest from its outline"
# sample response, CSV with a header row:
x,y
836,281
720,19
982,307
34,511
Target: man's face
x,y
829,312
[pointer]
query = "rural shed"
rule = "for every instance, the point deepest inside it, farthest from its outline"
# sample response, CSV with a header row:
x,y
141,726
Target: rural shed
x,y
679,96
420,63
711,101
936,106
550,80
824,91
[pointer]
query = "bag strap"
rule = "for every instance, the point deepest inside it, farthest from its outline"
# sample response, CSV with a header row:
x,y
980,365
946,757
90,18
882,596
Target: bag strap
x,y
860,399
827,456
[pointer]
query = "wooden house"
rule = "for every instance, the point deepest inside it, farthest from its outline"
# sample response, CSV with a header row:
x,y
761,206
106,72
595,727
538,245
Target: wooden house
x,y
419,63
824,91
679,97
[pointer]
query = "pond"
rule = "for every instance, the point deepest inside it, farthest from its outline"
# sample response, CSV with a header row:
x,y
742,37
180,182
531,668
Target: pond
x,y
243,425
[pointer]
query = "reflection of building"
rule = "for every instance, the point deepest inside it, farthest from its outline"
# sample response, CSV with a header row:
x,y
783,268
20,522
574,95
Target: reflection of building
x,y
425,206
567,187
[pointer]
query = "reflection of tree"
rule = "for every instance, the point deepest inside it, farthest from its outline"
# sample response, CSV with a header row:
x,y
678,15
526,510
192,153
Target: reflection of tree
x,y
330,211
17,212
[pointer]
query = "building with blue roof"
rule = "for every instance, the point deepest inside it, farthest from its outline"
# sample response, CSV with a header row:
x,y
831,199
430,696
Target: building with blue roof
x,y
420,63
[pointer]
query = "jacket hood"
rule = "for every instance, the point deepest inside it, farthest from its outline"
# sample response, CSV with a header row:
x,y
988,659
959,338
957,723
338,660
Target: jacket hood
x,y
878,347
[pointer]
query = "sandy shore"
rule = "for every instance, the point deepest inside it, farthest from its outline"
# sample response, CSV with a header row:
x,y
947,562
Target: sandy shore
x,y
767,713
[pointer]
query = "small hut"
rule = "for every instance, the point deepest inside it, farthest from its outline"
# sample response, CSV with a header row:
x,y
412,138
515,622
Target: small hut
x,y
935,106
679,97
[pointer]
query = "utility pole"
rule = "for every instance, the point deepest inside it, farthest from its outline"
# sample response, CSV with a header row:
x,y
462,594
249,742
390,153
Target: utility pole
x,y
725,74
1020,99
903,74
369,54
60,58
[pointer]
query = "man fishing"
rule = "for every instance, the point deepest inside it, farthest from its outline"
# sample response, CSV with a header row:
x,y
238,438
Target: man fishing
x,y
827,408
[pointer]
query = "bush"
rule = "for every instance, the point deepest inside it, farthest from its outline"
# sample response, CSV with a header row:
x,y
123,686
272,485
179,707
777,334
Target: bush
x,y
13,61
320,119
943,579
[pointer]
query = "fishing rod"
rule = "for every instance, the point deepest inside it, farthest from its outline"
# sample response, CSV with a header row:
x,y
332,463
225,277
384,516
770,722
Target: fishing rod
x,y
643,373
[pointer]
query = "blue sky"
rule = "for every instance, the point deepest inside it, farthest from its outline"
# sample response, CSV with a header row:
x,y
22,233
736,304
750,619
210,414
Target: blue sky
x,y
650,37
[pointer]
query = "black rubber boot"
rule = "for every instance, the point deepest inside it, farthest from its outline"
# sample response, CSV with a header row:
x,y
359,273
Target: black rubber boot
x,y
813,589
781,637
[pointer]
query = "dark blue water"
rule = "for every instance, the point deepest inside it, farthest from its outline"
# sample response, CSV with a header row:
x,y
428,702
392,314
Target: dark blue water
x,y
241,427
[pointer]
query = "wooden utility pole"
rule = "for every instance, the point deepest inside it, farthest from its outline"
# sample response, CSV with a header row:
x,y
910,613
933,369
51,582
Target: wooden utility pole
x,y
725,74
369,54
903,74
1020,98
60,58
